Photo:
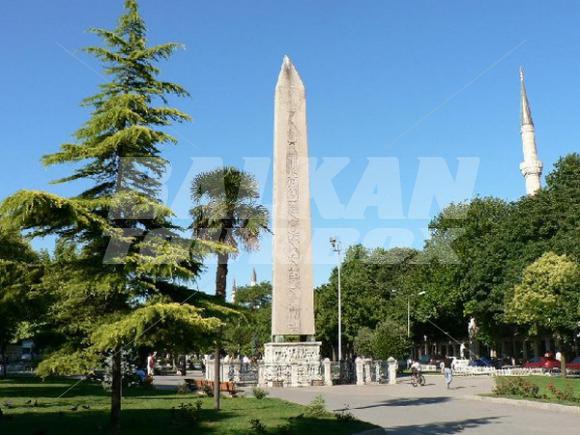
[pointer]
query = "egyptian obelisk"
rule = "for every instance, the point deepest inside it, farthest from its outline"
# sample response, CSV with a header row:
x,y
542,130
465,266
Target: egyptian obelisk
x,y
292,362
293,312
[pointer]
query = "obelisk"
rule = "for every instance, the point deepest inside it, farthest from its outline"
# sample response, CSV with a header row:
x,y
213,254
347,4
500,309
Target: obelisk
x,y
293,358
292,298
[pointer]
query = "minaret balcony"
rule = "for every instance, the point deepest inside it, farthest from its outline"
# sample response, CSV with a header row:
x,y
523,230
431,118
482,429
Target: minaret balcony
x,y
531,168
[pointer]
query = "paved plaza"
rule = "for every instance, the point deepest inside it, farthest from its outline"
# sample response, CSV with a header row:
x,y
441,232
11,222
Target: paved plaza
x,y
432,409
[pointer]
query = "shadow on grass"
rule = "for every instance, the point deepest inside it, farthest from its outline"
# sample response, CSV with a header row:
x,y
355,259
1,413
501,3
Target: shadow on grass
x,y
439,428
168,421
34,388
96,422
84,410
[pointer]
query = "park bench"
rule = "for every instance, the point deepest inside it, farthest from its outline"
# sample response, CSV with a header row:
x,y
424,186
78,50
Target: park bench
x,y
203,385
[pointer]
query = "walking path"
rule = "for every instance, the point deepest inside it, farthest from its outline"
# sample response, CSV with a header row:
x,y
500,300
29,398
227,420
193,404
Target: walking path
x,y
432,409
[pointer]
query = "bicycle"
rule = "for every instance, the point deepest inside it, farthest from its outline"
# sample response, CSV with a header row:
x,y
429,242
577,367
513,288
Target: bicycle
x,y
418,379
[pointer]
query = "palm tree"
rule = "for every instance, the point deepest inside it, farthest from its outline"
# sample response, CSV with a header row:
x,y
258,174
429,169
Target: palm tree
x,y
227,212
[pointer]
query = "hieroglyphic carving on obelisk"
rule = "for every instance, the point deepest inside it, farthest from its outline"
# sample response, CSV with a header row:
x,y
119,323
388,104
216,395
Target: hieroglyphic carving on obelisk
x,y
292,297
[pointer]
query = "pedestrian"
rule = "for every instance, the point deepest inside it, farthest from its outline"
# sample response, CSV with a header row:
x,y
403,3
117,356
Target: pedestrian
x,y
151,364
448,372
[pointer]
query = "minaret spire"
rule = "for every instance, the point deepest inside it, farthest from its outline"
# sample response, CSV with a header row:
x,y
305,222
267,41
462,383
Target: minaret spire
x,y
531,167
254,279
234,291
526,115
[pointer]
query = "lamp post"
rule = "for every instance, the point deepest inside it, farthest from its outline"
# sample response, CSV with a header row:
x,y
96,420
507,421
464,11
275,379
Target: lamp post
x,y
336,247
421,293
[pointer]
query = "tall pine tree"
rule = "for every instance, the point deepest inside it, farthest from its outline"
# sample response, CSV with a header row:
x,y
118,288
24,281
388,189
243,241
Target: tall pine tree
x,y
19,271
124,249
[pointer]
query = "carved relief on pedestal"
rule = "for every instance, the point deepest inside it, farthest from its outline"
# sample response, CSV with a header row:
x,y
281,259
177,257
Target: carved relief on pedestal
x,y
293,364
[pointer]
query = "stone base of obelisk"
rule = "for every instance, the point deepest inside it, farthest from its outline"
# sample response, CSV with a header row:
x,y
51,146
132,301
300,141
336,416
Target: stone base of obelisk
x,y
292,364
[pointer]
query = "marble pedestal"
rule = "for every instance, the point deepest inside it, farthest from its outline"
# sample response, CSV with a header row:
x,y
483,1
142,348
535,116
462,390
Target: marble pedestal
x,y
291,364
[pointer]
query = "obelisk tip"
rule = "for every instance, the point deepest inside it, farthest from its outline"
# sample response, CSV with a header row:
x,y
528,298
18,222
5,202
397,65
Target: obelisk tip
x,y
286,62
289,75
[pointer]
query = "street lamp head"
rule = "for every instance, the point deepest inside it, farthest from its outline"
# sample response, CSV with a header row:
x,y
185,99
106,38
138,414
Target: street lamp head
x,y
335,243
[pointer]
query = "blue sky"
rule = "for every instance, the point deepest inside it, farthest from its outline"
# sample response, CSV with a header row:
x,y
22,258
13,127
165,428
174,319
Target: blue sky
x,y
395,82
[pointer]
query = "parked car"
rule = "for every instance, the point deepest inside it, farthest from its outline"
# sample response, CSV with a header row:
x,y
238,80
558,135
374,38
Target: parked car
x,y
486,362
541,362
574,365
481,362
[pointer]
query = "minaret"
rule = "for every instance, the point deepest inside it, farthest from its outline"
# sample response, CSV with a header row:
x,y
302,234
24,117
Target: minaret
x,y
234,291
531,167
254,279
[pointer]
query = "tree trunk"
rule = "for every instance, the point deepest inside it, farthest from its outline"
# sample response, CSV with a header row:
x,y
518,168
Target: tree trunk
x,y
221,275
563,365
562,356
216,379
4,362
220,291
184,365
116,393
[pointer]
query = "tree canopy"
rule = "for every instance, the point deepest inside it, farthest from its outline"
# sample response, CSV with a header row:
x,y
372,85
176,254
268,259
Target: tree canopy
x,y
118,249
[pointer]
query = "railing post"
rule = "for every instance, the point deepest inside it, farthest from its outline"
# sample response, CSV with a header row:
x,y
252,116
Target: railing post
x,y
359,371
392,362
368,378
327,372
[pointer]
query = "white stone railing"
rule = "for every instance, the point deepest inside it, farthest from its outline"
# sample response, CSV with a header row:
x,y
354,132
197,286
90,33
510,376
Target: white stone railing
x,y
370,371
233,370
474,371
492,371
429,368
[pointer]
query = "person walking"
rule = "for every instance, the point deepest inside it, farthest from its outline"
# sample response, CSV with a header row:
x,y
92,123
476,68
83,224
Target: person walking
x,y
448,372
151,364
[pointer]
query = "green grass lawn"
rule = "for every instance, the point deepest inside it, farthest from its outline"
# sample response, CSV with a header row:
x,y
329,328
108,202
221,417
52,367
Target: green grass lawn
x,y
546,395
148,411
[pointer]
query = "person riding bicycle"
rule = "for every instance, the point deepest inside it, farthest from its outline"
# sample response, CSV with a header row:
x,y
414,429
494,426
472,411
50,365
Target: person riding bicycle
x,y
415,369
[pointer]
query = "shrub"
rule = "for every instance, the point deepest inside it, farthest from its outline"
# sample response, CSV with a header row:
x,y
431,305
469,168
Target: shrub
x,y
285,430
208,390
516,386
345,415
259,393
183,388
564,395
316,408
186,414
257,427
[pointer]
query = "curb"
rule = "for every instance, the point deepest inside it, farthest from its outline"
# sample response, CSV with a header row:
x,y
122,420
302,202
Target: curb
x,y
567,409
